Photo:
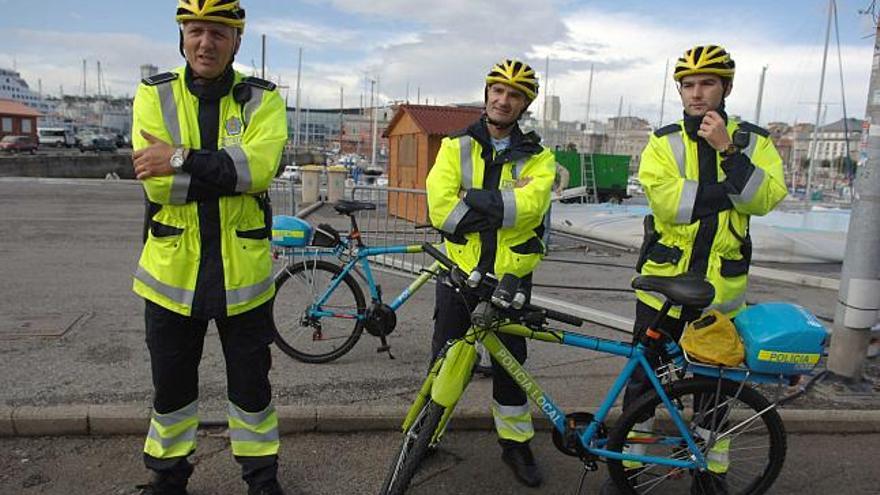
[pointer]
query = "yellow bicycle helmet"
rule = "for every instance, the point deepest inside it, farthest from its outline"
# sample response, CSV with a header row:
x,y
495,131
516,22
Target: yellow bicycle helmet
x,y
517,75
705,59
222,11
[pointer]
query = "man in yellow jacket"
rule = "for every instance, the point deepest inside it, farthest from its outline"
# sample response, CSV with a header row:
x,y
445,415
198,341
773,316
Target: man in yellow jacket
x,y
489,192
704,177
207,142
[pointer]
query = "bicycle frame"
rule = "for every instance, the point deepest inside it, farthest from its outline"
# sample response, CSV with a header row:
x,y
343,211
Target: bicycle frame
x,y
360,257
458,372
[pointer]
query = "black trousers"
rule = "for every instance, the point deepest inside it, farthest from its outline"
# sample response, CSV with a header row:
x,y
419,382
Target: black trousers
x,y
176,342
639,384
452,319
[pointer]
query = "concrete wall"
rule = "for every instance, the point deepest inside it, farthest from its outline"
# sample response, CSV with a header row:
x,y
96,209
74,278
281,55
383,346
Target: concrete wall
x,y
91,166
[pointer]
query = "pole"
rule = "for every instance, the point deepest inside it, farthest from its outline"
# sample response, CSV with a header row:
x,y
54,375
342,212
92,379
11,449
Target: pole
x,y
589,99
298,93
546,85
263,57
341,115
815,143
617,126
663,97
859,297
84,78
375,122
846,130
760,95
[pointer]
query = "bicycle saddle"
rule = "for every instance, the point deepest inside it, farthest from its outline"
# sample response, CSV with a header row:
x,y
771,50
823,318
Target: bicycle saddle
x,y
348,207
686,289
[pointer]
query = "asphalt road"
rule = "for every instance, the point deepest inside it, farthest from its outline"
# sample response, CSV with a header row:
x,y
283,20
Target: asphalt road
x,y
324,464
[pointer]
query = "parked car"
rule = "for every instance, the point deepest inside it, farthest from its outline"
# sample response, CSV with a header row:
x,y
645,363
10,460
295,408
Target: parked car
x,y
56,136
291,172
19,144
97,143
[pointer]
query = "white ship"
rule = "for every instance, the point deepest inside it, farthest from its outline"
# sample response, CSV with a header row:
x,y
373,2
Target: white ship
x,y
13,87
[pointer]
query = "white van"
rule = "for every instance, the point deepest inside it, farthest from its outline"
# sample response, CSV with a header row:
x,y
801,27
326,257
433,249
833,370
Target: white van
x,y
56,136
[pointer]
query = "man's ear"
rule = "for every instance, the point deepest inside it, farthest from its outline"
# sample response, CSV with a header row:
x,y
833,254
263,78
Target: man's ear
x,y
237,42
728,88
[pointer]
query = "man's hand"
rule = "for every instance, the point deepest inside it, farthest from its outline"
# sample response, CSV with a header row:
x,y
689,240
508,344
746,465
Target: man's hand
x,y
714,131
522,182
154,160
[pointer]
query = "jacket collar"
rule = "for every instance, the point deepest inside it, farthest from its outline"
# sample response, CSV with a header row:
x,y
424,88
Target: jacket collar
x,y
521,145
692,123
210,90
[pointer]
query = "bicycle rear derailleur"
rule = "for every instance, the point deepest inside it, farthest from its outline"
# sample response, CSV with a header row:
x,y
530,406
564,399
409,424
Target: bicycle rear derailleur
x,y
569,442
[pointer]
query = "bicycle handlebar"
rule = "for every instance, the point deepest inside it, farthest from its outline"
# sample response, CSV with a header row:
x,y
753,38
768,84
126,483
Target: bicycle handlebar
x,y
548,313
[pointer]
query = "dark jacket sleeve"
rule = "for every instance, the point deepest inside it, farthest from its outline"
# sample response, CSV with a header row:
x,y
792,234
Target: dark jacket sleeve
x,y
213,175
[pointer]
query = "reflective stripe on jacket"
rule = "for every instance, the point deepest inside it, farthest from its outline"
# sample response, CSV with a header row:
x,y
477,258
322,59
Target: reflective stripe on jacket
x,y
670,174
514,215
217,215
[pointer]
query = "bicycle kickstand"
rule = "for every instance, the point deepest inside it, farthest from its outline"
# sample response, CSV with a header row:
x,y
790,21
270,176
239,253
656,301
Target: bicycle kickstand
x,y
385,347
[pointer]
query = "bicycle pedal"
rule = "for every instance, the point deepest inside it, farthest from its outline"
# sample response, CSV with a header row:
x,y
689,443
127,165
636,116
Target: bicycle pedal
x,y
385,348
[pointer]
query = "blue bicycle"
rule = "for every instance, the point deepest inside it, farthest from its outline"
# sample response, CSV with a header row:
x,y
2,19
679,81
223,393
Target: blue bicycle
x,y
702,429
320,308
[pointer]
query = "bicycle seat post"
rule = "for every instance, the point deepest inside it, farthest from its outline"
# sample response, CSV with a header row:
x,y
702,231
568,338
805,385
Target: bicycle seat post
x,y
355,231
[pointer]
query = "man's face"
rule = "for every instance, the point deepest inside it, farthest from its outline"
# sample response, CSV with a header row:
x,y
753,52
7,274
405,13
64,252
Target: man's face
x,y
209,47
504,104
701,93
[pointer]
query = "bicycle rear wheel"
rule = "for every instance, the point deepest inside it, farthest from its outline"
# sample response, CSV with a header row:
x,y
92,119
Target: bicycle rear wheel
x,y
714,411
416,441
300,331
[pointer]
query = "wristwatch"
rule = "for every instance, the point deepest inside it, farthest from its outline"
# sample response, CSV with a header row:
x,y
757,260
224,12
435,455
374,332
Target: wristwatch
x,y
176,161
731,150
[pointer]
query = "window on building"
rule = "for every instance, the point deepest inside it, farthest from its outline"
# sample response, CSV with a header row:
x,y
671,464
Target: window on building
x,y
6,124
407,150
26,126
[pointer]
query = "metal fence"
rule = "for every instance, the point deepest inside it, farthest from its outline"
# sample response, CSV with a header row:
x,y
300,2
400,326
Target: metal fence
x,y
400,217
282,193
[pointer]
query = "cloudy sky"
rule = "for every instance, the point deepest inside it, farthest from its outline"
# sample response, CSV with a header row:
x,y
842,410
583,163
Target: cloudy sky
x,y
442,50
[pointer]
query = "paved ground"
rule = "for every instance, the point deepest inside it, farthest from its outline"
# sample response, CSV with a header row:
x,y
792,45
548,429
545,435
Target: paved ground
x,y
355,464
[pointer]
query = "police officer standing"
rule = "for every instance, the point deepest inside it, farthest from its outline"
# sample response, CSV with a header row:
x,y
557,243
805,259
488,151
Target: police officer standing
x,y
207,142
704,177
488,192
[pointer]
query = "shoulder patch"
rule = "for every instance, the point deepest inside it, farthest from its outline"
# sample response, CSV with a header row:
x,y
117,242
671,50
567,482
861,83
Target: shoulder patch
x,y
259,83
667,129
162,78
748,126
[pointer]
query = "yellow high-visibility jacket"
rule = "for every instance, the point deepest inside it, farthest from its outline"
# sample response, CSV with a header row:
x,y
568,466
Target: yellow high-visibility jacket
x,y
701,206
206,251
486,221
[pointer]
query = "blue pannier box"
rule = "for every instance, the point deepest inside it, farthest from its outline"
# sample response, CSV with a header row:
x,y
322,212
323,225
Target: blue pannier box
x,y
781,338
289,231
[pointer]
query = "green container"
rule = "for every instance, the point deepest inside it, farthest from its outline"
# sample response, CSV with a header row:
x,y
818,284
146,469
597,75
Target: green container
x,y
611,171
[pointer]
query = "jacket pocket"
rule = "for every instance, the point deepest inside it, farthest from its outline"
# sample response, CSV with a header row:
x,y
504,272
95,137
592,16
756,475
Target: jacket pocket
x,y
663,254
159,230
531,246
735,268
260,233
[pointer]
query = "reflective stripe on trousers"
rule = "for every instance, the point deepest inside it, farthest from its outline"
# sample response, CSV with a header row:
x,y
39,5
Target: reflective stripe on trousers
x,y
645,429
173,434
718,457
253,434
513,422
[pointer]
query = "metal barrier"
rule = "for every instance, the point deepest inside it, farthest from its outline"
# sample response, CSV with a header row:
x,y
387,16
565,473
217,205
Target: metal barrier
x,y
400,217
282,193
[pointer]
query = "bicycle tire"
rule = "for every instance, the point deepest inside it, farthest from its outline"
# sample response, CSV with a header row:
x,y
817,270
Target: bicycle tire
x,y
742,451
308,342
416,441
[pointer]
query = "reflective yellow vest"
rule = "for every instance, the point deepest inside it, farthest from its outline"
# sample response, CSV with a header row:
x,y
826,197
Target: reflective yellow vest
x,y
669,172
460,167
253,134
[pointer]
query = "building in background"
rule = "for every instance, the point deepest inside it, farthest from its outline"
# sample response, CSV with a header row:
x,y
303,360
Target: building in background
x,y
17,119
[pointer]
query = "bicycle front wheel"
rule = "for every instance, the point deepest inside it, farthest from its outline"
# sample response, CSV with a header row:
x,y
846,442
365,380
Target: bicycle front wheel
x,y
736,428
416,442
315,333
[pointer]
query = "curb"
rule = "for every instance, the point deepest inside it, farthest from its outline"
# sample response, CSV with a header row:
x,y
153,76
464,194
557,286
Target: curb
x,y
26,421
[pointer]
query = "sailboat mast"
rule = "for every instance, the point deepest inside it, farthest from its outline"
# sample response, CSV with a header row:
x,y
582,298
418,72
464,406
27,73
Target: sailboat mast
x,y
814,147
